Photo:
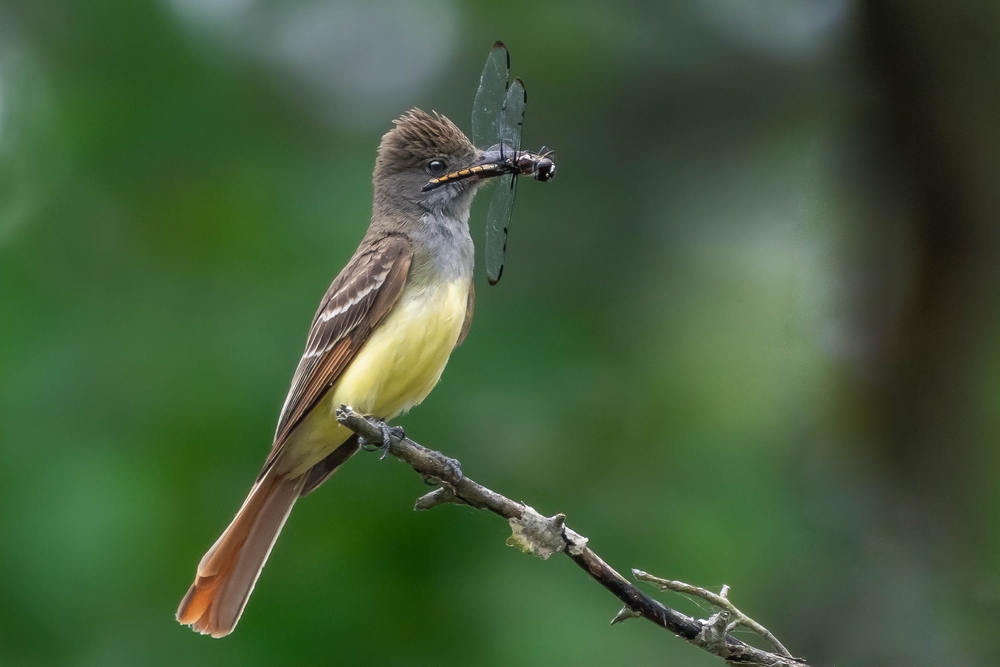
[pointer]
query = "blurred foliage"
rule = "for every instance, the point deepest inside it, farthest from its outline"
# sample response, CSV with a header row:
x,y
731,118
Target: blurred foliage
x,y
748,336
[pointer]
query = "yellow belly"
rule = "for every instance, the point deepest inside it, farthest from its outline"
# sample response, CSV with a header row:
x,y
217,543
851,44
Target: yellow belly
x,y
394,371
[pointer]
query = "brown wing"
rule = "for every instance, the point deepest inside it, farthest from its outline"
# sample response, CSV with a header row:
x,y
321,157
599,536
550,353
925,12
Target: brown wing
x,y
356,302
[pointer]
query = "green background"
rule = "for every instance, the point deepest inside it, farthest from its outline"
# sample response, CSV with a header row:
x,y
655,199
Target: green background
x,y
748,336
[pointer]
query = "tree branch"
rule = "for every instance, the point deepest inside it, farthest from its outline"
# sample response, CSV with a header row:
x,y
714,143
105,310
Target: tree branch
x,y
544,536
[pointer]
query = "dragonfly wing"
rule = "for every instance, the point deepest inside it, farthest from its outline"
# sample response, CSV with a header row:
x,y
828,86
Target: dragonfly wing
x,y
502,204
497,224
512,118
486,109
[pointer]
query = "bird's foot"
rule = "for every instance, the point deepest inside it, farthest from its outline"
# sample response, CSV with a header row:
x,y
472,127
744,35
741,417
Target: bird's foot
x,y
388,433
455,468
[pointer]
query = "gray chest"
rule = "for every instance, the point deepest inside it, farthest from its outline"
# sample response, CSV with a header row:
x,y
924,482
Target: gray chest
x,y
444,248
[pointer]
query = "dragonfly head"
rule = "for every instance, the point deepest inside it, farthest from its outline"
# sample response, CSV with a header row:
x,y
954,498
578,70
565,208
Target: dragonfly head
x,y
545,170
539,166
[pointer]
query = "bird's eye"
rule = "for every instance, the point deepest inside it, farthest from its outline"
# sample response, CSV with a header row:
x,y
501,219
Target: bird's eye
x,y
436,167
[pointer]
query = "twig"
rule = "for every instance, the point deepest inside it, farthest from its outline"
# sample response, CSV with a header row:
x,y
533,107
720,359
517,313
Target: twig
x,y
720,600
544,536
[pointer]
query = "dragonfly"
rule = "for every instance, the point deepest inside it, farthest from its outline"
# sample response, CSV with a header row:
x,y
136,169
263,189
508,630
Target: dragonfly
x,y
497,117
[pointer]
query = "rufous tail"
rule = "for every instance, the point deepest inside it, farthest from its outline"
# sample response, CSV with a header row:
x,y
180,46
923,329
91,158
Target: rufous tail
x,y
228,572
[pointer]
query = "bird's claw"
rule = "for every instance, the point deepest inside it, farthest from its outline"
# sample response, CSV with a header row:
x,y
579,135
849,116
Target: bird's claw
x,y
456,473
388,433
456,468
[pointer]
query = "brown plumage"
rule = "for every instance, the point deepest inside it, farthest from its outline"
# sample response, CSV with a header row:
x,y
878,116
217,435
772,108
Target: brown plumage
x,y
417,136
360,298
228,571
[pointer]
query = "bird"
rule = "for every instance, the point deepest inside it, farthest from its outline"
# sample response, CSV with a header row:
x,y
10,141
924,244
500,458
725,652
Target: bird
x,y
378,342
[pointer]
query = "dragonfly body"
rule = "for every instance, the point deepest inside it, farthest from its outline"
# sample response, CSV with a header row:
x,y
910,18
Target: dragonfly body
x,y
525,163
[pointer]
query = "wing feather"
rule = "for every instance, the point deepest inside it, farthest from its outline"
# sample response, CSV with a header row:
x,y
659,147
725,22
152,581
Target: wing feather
x,y
359,298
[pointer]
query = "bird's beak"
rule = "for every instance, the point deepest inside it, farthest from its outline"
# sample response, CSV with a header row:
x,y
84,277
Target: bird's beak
x,y
489,164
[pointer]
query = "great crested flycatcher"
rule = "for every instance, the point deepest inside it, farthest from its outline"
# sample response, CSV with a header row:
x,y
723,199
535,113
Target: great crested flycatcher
x,y
378,343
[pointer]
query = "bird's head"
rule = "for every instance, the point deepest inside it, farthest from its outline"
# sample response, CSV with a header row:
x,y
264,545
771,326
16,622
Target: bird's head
x,y
420,147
